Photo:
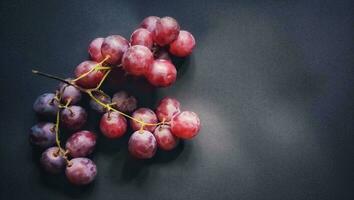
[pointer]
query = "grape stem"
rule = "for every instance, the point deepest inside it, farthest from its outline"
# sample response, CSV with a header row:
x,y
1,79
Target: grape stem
x,y
96,89
90,92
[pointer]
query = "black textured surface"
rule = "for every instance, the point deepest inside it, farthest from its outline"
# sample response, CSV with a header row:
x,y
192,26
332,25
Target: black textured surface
x,y
272,82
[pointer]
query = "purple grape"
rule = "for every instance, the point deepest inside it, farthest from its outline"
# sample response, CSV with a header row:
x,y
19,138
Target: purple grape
x,y
81,144
81,171
46,105
73,117
124,102
96,106
43,134
142,144
69,92
52,161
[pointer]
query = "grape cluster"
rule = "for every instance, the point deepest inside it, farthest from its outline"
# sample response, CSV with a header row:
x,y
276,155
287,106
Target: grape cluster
x,y
146,54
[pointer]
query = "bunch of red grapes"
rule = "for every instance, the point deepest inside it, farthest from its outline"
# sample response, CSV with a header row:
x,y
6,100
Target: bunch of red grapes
x,y
146,54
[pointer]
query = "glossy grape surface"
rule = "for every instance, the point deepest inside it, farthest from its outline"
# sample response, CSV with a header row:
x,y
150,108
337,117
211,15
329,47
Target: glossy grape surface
x,y
46,105
81,144
52,161
142,144
137,59
166,30
113,125
161,73
94,49
185,125
43,134
143,37
73,117
183,45
167,108
149,23
146,115
92,79
114,46
81,171
69,92
165,139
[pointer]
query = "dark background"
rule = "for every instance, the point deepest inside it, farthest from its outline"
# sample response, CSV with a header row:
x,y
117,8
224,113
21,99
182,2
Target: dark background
x,y
272,82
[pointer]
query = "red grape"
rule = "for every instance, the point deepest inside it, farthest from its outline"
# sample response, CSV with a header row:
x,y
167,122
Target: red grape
x,y
142,144
81,171
165,139
114,46
185,125
92,79
124,102
81,144
73,117
52,161
46,105
146,115
167,108
183,45
113,125
94,49
143,37
149,23
69,92
43,134
166,31
161,73
137,59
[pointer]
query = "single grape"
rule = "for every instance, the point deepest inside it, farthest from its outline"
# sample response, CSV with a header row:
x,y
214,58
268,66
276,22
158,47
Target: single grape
x,y
46,105
137,59
161,73
166,31
142,144
185,125
52,161
113,125
81,144
165,139
183,45
114,46
73,117
162,53
123,102
167,108
146,115
81,171
142,36
149,23
92,79
69,92
43,134
98,107
94,49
